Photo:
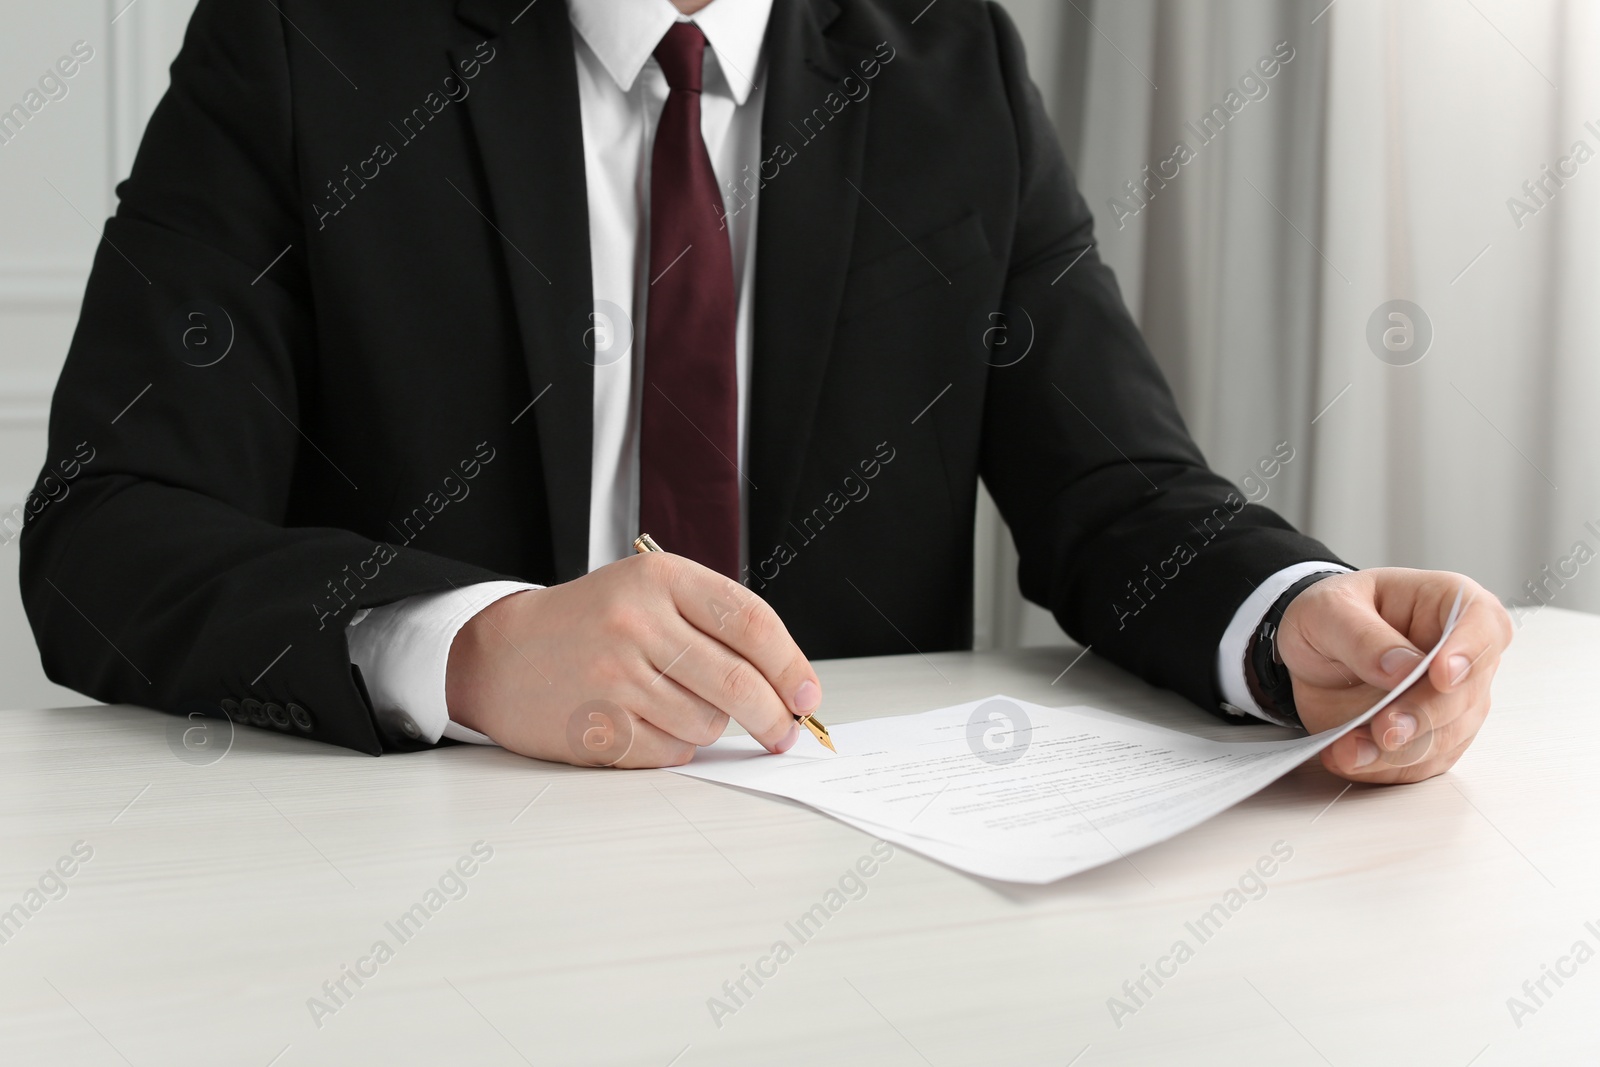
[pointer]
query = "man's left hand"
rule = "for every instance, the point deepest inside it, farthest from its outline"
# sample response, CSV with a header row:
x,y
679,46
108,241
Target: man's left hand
x,y
1350,638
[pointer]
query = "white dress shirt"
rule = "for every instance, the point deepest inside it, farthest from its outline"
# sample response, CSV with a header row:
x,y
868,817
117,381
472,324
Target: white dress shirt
x,y
403,649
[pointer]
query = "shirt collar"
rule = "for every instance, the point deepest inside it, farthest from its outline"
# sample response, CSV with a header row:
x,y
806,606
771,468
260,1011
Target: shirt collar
x,y
623,34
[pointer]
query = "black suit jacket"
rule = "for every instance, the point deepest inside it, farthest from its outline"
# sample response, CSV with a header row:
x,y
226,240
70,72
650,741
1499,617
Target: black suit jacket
x,y
333,352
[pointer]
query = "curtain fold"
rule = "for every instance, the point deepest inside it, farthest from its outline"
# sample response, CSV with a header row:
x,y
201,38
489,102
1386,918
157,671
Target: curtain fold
x,y
1441,155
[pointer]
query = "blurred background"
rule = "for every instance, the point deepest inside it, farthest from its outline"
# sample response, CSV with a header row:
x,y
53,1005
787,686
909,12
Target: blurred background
x,y
1363,234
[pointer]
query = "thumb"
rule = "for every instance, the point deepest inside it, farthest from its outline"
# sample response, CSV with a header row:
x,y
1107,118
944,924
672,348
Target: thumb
x,y
1351,632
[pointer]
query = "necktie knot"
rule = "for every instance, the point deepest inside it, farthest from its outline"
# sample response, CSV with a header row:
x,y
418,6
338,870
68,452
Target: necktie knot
x,y
681,54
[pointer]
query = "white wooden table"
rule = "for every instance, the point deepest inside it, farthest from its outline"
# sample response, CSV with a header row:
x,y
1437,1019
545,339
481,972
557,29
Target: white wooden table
x,y
219,898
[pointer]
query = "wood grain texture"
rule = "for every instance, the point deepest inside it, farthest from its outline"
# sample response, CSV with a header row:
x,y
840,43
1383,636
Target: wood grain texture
x,y
616,904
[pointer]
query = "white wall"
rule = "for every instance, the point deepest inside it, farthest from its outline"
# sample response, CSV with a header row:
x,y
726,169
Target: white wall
x,y
57,176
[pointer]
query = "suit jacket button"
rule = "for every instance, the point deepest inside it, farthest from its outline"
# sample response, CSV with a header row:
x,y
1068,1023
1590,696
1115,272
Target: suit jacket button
x,y
232,709
255,711
301,718
279,717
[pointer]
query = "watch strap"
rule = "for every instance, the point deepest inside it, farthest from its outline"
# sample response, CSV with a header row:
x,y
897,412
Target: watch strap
x,y
1268,679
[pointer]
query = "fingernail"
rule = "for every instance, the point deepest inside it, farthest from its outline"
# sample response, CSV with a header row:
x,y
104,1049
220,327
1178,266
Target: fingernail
x,y
1459,666
789,738
1403,730
1397,659
807,697
1366,752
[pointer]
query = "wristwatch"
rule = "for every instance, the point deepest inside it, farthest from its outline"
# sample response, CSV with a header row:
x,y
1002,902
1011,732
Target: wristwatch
x,y
1265,674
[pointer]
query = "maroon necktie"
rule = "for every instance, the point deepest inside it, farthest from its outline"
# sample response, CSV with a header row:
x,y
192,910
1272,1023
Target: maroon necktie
x,y
689,415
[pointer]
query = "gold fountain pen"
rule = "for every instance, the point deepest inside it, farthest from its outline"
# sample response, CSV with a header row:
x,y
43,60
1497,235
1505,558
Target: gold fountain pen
x,y
645,543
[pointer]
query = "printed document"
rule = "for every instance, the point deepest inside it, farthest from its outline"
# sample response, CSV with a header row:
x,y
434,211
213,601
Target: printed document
x,y
1018,792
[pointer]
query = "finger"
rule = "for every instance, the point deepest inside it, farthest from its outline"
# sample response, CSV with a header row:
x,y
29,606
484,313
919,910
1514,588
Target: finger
x,y
1483,629
727,681
679,712
1424,710
1359,758
1436,763
602,733
1348,629
726,611
652,746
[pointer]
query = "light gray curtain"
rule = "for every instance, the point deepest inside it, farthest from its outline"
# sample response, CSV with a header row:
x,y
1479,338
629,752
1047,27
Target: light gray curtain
x,y
1381,163
1229,310
1057,36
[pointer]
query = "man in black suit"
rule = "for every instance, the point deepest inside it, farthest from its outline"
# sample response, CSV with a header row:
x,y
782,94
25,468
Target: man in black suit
x,y
391,346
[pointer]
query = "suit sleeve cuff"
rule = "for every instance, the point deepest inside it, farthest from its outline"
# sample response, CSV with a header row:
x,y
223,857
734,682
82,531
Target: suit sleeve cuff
x,y
1236,638
403,650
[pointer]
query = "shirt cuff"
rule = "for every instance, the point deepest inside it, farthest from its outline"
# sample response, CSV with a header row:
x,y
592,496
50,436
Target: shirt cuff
x,y
1236,638
403,650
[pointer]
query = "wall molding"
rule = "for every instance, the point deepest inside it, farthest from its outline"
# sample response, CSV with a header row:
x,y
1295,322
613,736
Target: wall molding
x,y
42,284
137,41
25,405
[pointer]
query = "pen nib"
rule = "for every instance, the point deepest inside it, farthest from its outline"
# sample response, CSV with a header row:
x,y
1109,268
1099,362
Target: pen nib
x,y
819,731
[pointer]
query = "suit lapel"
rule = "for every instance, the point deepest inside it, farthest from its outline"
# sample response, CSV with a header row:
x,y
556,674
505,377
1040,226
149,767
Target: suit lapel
x,y
528,130
804,232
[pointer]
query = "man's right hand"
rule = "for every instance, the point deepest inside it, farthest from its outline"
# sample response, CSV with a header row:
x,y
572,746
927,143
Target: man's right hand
x,y
632,665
